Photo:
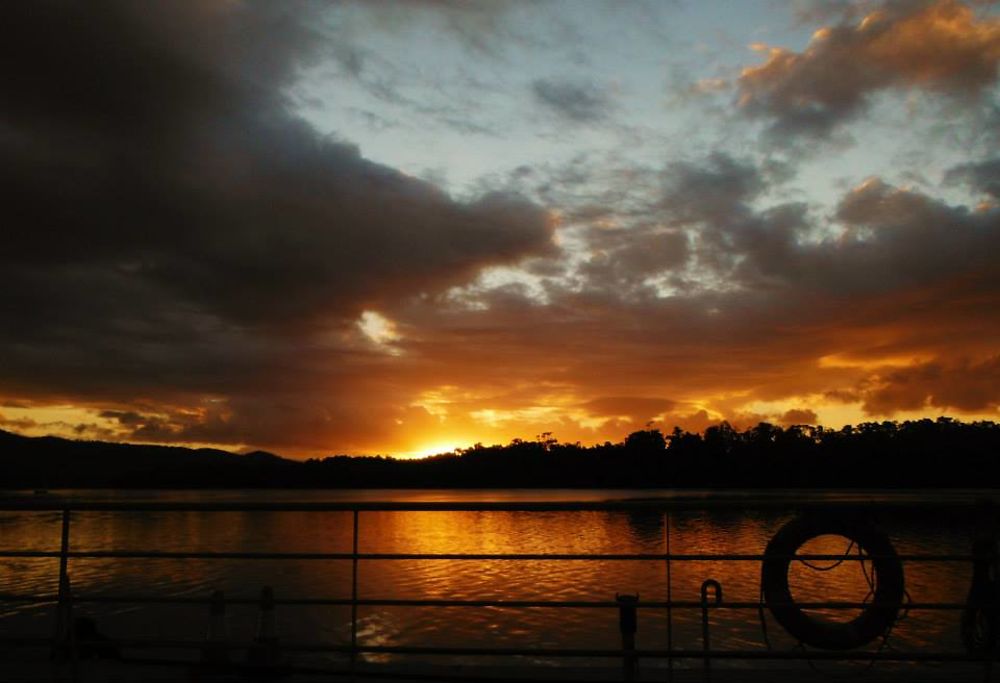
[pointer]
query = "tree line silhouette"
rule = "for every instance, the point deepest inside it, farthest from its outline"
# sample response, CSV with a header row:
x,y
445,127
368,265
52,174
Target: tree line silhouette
x,y
920,453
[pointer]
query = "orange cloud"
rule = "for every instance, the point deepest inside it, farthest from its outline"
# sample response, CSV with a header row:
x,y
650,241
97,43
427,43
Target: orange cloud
x,y
799,416
940,46
959,385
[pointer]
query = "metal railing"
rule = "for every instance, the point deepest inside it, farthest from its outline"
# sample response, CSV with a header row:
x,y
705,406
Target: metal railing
x,y
64,644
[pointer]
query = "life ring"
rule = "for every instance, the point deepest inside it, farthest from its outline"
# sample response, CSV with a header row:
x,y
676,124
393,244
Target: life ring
x,y
887,573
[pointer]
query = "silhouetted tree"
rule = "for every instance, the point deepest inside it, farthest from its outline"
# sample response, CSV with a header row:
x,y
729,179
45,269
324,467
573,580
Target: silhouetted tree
x,y
935,453
646,441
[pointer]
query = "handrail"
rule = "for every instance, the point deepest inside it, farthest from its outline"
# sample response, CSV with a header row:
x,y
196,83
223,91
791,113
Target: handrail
x,y
502,603
653,505
557,557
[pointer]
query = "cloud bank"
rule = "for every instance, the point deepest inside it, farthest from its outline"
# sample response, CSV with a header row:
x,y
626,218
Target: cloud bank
x,y
186,259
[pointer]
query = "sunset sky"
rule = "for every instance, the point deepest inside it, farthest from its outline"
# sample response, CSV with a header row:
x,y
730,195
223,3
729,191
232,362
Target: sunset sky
x,y
376,227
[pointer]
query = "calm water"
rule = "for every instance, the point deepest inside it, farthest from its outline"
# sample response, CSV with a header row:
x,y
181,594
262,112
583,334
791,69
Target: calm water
x,y
458,532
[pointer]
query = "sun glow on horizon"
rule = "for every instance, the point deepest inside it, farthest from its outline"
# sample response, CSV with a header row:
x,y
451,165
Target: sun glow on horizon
x,y
436,448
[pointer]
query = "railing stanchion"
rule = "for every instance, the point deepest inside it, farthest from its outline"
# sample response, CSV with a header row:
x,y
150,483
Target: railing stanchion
x,y
628,622
64,550
64,640
706,646
354,594
64,617
265,651
670,614
215,652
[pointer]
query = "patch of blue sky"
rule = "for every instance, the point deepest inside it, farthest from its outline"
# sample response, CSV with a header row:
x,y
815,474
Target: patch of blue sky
x,y
453,99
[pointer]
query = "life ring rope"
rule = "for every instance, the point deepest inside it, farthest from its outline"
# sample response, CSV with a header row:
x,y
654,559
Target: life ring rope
x,y
836,563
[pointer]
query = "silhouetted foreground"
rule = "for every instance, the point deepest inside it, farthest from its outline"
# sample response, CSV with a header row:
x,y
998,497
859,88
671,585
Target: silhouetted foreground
x,y
922,453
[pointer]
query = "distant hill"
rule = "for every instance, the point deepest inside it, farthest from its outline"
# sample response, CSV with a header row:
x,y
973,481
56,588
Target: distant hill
x,y
52,462
920,453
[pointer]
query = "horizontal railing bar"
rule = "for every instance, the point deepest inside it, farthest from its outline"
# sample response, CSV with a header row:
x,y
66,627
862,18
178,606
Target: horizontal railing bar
x,y
395,671
559,557
365,670
676,604
855,655
681,654
377,671
736,502
511,604
660,557
176,555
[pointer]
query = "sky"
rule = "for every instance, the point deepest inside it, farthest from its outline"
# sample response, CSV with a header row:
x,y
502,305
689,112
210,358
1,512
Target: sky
x,y
402,228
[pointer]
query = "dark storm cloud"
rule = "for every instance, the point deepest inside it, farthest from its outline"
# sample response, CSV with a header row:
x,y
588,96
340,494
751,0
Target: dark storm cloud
x,y
939,46
160,191
715,190
169,153
627,257
891,237
904,238
983,176
577,102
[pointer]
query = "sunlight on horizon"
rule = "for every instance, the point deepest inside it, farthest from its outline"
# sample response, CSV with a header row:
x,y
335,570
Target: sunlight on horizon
x,y
436,448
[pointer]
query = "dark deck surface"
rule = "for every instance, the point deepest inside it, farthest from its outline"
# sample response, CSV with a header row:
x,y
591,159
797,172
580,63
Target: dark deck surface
x,y
18,667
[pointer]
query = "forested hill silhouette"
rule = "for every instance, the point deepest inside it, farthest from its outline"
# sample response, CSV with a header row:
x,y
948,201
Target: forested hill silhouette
x,y
922,453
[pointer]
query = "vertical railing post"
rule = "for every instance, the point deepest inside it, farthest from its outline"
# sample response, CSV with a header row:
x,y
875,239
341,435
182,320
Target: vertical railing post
x,y
628,623
265,652
216,652
64,638
670,613
706,645
354,594
64,617
64,551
